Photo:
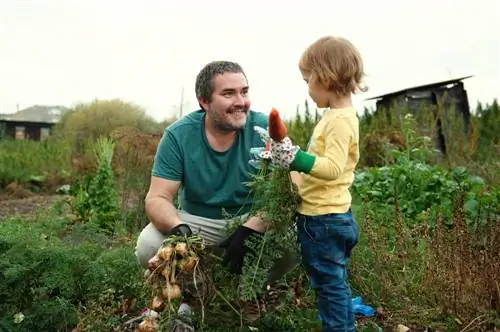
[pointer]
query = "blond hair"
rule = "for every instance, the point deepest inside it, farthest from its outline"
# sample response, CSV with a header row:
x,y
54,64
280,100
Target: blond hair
x,y
335,63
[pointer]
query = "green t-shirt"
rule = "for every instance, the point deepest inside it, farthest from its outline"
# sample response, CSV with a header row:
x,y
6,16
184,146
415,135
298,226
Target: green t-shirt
x,y
211,180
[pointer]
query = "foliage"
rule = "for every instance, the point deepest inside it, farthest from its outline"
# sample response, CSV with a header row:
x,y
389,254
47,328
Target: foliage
x,y
29,161
276,199
52,281
418,185
96,201
90,121
428,253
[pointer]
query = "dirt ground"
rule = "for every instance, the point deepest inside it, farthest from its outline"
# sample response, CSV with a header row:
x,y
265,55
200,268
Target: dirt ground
x,y
10,207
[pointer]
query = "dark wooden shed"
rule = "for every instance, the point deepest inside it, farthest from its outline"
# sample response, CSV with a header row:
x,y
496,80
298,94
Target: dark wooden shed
x,y
449,93
33,123
14,129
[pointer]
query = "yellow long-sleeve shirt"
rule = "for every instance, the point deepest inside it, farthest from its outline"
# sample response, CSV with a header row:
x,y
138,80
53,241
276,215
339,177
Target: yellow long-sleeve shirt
x,y
335,144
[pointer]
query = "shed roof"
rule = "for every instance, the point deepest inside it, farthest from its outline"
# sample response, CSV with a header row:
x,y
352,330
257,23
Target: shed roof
x,y
37,113
419,87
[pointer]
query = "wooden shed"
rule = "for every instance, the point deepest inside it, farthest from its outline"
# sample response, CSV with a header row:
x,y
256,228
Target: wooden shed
x,y
33,123
450,93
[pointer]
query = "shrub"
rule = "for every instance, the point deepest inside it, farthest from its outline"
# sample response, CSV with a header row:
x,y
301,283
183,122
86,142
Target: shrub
x,y
51,281
87,122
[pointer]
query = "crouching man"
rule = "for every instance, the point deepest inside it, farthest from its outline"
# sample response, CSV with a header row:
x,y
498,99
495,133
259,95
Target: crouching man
x,y
204,158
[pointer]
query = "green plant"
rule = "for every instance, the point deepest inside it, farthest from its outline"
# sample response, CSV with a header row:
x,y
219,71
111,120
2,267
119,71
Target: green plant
x,y
96,196
49,281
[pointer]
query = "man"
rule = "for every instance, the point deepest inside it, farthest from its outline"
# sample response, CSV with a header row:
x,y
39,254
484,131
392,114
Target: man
x,y
205,157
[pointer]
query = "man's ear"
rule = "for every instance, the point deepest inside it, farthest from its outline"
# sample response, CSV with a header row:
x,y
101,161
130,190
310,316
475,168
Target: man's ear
x,y
203,104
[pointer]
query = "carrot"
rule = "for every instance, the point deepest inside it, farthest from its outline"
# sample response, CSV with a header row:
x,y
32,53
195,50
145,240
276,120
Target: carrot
x,y
277,128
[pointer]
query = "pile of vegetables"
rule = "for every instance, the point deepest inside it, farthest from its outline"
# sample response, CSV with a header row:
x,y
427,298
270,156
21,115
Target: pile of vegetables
x,y
177,263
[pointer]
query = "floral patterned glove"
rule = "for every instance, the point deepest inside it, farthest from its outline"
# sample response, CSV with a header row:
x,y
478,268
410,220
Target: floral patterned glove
x,y
285,154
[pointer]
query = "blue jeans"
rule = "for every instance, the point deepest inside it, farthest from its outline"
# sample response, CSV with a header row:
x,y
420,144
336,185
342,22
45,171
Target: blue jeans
x,y
326,242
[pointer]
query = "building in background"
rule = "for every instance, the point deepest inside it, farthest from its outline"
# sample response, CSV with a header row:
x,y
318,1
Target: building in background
x,y
33,123
445,94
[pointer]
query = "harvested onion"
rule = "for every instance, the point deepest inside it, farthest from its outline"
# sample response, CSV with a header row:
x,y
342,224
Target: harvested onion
x,y
165,253
188,263
172,291
181,248
157,304
149,324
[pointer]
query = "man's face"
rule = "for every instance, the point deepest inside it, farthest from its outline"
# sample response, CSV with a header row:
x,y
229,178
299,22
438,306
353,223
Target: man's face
x,y
230,103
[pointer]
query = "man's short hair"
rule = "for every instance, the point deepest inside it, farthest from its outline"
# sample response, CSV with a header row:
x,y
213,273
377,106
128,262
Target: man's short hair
x,y
204,87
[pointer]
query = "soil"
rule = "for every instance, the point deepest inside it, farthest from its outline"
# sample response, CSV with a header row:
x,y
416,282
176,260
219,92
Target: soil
x,y
28,206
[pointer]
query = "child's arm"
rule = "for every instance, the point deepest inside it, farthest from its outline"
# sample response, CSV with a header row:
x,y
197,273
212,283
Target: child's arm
x,y
330,166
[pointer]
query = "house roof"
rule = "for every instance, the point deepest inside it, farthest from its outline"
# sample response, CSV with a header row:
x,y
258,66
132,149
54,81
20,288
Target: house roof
x,y
37,113
419,87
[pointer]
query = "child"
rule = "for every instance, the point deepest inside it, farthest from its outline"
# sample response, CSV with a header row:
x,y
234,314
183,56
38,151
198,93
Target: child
x,y
327,231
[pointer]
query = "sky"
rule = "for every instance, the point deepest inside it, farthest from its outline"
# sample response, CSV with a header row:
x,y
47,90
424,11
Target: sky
x,y
147,52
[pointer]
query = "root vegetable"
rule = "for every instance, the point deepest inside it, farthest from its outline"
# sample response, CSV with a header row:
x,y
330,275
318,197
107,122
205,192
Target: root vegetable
x,y
157,304
181,248
172,291
188,263
277,128
149,324
166,272
165,253
172,272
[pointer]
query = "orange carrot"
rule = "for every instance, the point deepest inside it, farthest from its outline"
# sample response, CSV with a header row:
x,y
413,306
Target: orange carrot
x,y
277,128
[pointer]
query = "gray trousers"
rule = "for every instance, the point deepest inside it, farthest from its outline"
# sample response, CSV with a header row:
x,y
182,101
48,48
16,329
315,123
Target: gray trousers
x,y
212,231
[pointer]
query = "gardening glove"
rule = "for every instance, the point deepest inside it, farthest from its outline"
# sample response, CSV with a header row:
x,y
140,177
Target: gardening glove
x,y
181,229
287,155
235,248
257,155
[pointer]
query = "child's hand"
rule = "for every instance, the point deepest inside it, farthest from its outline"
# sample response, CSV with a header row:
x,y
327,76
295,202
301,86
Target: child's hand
x,y
282,153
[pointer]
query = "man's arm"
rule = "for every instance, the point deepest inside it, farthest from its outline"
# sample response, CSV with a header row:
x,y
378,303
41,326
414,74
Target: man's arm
x,y
257,223
167,175
160,203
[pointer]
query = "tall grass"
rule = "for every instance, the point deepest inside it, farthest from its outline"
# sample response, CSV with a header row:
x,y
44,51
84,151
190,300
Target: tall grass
x,y
22,160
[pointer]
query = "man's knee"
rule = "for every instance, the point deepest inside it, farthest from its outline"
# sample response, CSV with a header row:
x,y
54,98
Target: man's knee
x,y
148,243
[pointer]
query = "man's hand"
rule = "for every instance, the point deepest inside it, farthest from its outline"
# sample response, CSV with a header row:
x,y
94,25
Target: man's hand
x,y
257,155
235,248
179,229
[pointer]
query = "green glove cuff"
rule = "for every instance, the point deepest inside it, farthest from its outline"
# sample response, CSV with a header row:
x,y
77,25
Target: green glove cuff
x,y
303,162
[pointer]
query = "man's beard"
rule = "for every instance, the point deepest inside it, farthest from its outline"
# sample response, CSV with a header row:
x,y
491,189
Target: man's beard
x,y
222,124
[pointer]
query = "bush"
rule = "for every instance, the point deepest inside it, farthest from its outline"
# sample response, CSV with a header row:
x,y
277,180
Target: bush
x,y
90,121
36,162
51,280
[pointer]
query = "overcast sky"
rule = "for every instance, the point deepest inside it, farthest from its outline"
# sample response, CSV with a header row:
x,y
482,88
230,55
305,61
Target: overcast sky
x,y
67,51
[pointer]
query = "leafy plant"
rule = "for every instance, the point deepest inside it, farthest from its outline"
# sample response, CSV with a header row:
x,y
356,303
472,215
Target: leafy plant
x,y
96,196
